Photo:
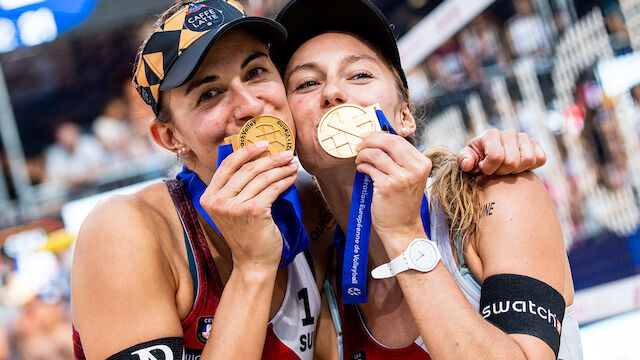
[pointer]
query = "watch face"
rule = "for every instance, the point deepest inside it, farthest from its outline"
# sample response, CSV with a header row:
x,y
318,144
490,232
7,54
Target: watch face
x,y
423,255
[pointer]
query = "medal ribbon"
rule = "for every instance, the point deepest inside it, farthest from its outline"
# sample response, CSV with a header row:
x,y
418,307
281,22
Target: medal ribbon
x,y
286,211
353,250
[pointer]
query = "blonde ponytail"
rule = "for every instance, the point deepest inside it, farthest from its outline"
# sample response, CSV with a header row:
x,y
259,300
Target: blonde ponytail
x,y
455,192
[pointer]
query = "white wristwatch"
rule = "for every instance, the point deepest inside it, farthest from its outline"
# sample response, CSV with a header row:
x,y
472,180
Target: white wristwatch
x,y
421,255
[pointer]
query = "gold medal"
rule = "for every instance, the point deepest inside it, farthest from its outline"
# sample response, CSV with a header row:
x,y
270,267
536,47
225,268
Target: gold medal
x,y
341,128
264,128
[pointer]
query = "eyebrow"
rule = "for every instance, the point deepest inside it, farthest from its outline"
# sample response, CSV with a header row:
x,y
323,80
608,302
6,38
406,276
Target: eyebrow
x,y
252,57
350,59
309,66
211,78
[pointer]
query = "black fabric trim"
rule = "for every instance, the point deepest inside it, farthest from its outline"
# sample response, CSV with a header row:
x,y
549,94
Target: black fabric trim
x,y
519,304
307,254
192,264
171,348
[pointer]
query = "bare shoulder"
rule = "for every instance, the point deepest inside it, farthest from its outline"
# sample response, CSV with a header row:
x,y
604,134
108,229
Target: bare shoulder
x,y
519,231
120,258
112,224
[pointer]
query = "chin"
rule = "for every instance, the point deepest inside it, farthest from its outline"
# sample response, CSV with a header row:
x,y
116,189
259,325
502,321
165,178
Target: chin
x,y
319,161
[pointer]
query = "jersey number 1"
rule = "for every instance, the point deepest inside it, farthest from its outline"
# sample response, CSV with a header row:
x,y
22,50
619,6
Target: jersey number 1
x,y
304,296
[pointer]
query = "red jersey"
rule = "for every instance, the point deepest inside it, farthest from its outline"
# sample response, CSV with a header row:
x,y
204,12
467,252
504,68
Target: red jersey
x,y
359,344
290,333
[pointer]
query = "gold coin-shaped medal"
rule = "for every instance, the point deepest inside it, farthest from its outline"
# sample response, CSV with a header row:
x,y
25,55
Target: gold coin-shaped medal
x,y
341,128
266,128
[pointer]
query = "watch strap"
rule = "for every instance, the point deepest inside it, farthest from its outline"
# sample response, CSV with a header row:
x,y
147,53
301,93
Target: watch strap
x,y
390,269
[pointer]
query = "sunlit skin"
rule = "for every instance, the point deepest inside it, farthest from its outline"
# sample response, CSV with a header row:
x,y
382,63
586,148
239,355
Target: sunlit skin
x,y
351,73
232,85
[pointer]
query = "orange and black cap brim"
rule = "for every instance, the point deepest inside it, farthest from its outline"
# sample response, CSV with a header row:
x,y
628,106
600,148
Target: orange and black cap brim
x,y
267,30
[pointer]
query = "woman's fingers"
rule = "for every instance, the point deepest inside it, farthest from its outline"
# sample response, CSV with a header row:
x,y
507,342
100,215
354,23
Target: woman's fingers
x,y
527,153
265,179
541,156
376,175
398,149
249,171
271,192
511,153
380,159
234,162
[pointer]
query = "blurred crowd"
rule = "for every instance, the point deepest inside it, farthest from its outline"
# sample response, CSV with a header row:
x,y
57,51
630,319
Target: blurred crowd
x,y
488,45
35,317
114,142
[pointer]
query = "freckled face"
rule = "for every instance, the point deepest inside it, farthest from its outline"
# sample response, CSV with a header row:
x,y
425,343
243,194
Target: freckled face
x,y
329,70
235,82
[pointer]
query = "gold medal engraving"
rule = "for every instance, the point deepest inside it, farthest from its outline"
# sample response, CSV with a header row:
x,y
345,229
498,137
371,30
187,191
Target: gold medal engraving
x,y
264,128
341,128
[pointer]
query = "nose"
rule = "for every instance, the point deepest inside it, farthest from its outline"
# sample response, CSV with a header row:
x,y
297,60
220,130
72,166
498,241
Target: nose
x,y
246,104
333,94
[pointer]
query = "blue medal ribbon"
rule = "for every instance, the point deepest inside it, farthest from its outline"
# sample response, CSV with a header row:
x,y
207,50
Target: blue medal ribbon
x,y
353,250
286,211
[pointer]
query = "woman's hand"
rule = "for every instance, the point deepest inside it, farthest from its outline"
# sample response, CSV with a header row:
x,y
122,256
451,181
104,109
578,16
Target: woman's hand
x,y
501,153
239,200
399,173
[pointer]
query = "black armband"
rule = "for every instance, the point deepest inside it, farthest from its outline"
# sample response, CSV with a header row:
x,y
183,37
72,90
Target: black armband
x,y
161,349
520,304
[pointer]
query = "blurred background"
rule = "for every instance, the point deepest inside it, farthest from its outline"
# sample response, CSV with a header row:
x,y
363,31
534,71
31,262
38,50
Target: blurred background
x,y
567,72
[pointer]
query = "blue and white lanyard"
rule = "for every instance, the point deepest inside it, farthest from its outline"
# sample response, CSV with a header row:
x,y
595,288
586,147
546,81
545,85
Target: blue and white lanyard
x,y
353,250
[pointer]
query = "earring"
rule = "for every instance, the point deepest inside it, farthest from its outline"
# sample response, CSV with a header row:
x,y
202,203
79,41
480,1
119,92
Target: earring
x,y
404,131
182,150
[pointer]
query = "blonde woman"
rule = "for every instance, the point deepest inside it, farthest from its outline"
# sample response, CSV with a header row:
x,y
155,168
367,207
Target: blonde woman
x,y
502,286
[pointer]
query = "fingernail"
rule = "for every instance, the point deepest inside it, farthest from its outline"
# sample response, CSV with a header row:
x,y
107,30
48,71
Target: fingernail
x,y
293,164
262,144
465,161
286,154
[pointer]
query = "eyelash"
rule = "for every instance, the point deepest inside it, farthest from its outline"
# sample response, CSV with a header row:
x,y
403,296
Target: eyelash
x,y
362,74
359,75
205,95
306,84
249,76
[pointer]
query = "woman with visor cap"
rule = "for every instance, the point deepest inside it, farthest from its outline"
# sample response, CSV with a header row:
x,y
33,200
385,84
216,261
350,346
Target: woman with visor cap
x,y
484,274
194,266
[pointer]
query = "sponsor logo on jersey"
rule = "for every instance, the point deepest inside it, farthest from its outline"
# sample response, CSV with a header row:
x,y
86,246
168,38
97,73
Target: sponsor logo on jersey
x,y
205,324
359,356
522,306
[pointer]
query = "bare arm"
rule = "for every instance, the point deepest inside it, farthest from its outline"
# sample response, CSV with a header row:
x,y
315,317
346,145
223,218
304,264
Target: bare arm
x,y
522,236
450,326
122,284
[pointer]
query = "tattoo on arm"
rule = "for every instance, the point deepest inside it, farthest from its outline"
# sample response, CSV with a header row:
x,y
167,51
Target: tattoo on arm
x,y
487,209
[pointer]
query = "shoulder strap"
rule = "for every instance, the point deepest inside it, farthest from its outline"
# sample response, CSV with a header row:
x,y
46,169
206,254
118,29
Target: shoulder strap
x,y
307,255
203,261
